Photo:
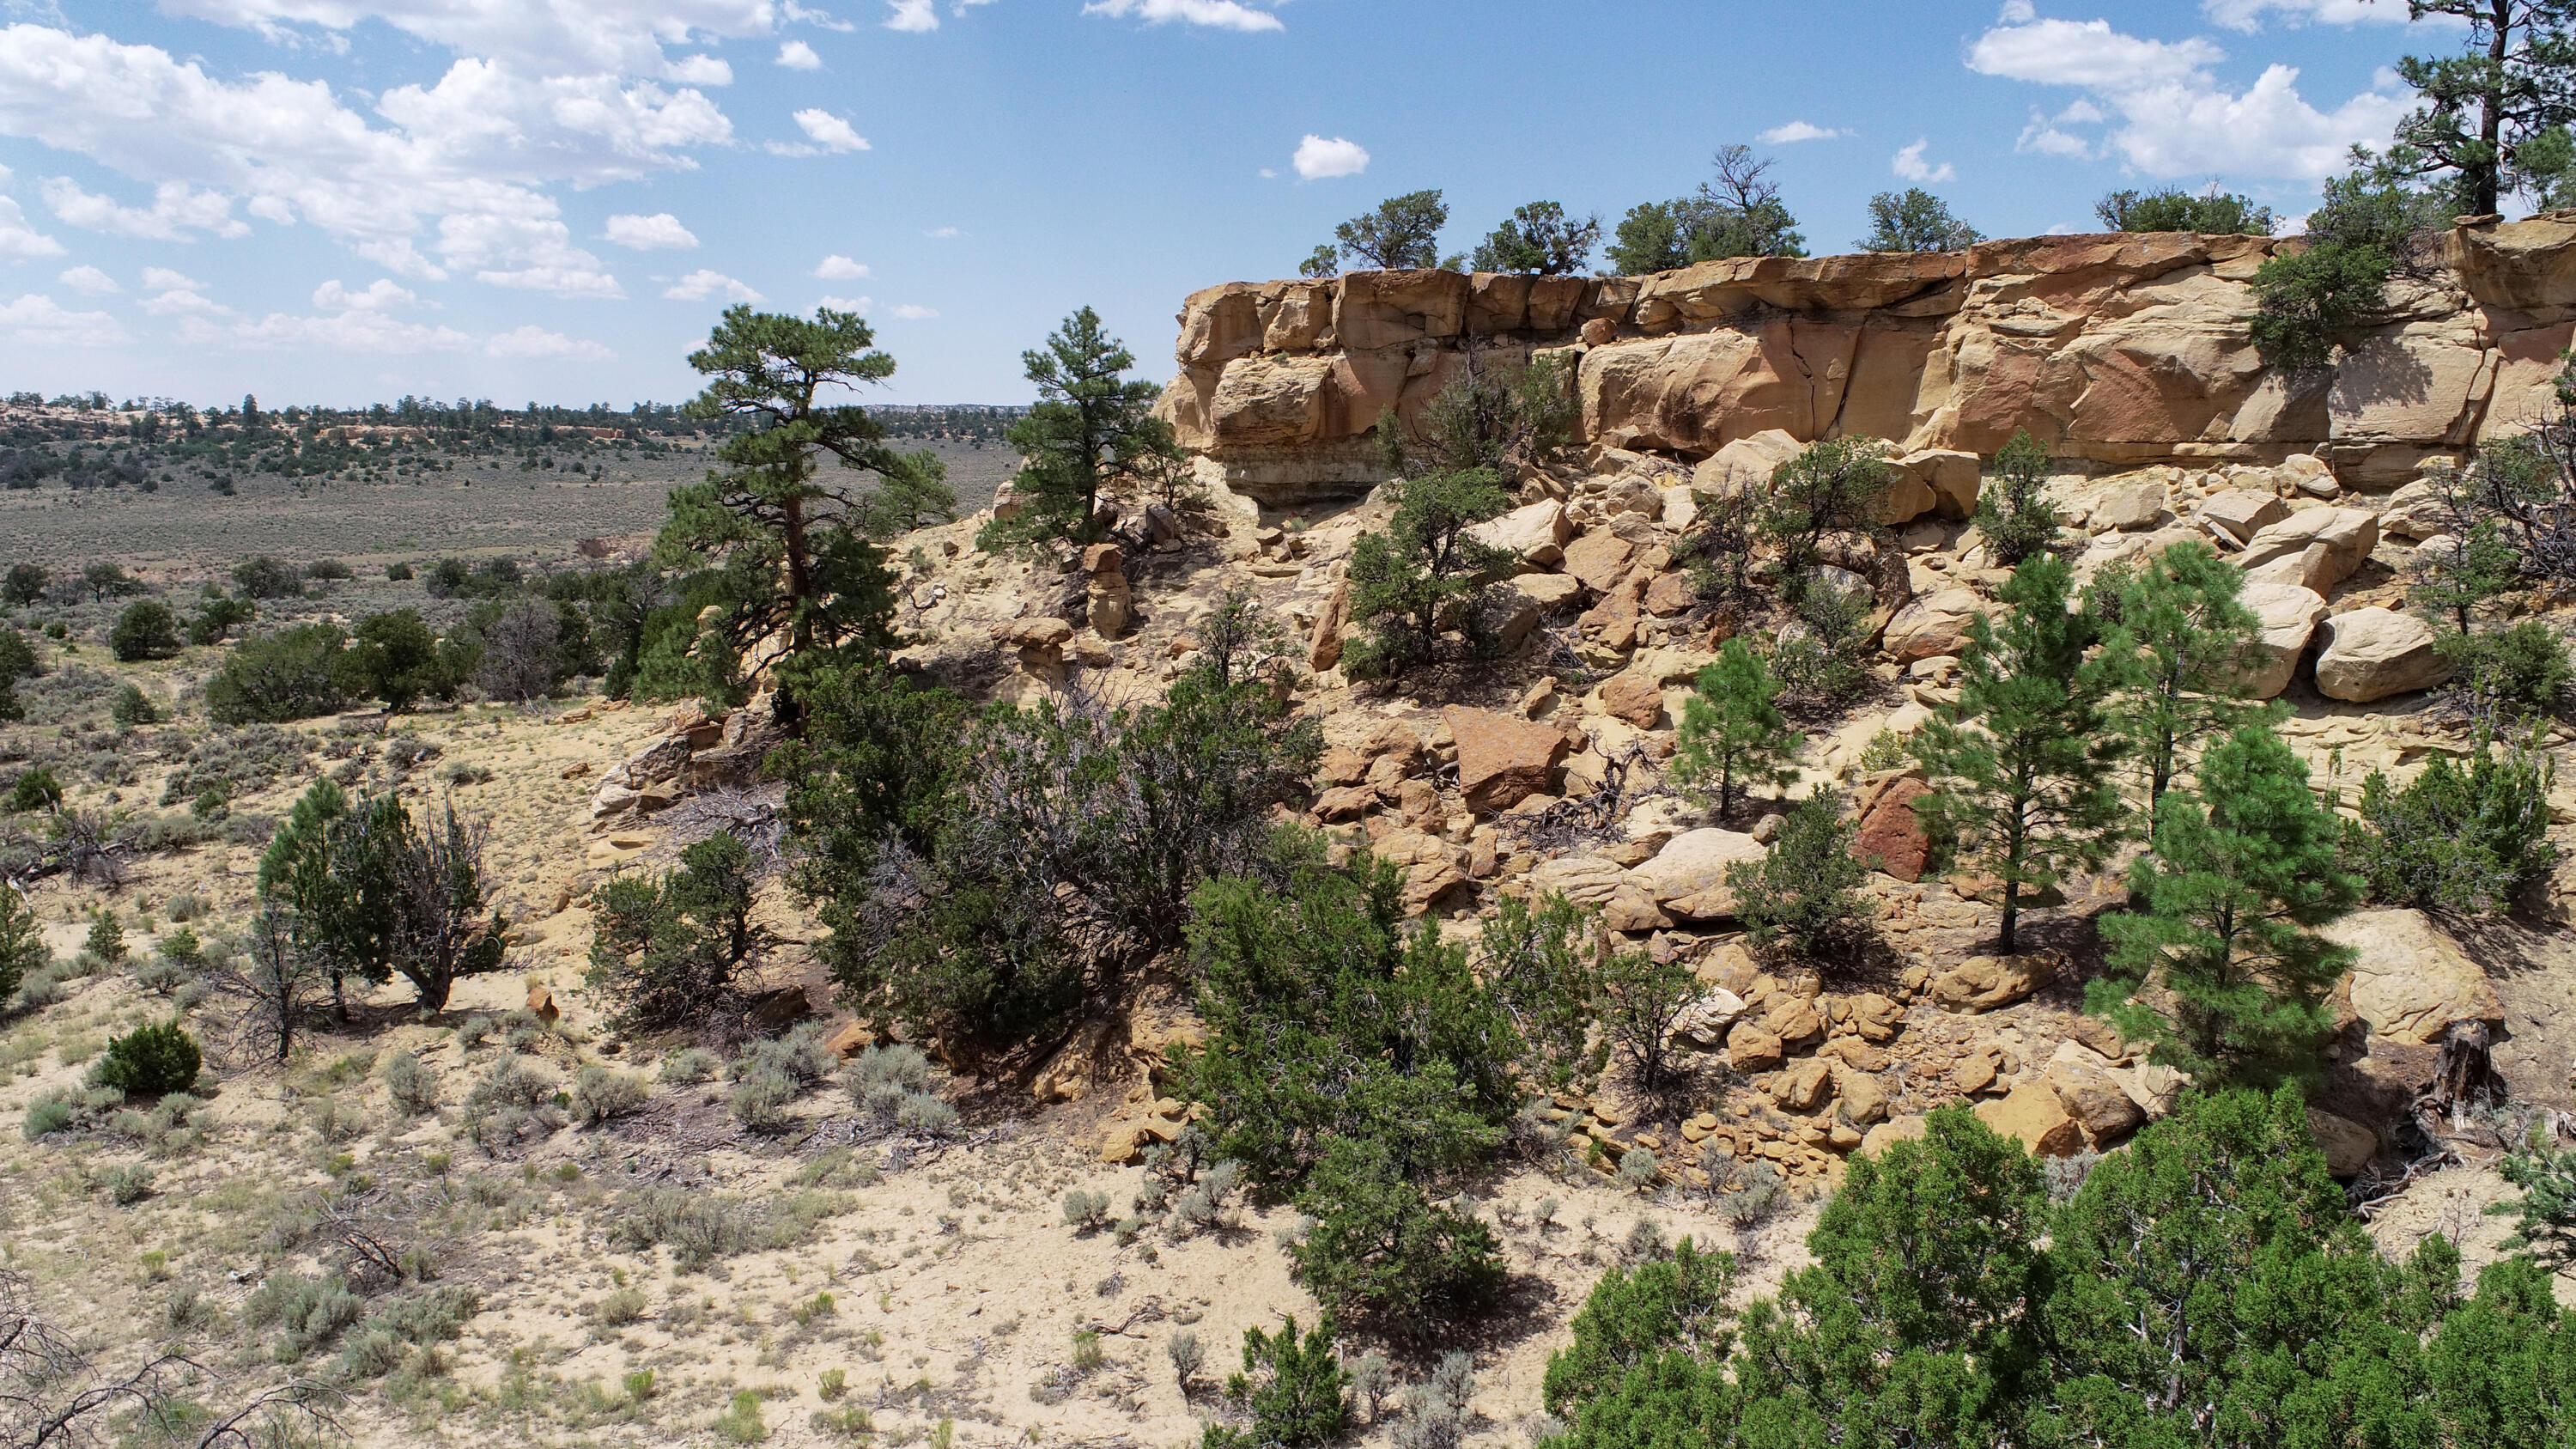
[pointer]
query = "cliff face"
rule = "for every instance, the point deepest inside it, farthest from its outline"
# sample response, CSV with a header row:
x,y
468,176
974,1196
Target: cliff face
x,y
2115,350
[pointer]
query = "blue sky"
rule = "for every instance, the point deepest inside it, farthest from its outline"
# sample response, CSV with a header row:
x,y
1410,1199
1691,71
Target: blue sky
x,y
345,200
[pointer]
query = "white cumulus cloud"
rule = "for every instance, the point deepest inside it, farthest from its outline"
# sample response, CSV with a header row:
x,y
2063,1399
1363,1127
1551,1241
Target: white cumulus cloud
x,y
1908,162
19,239
660,231
703,283
838,268
2248,15
534,341
2166,115
913,15
40,321
163,279
380,295
353,331
797,55
626,37
829,132
175,210
1220,14
1318,158
89,281
911,313
447,176
1796,131
859,305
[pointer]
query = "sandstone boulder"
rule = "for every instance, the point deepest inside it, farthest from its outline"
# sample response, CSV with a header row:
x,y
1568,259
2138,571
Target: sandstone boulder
x,y
1502,760
2239,515
1889,837
2033,1114
1324,642
2410,982
1688,876
1704,1023
1536,534
1599,559
2133,507
2373,654
1954,476
1932,625
2349,534
1750,1047
2094,1099
1887,1134
1804,1086
1748,462
1863,1097
1584,879
2415,511
2290,615
1984,983
2348,1146
1633,697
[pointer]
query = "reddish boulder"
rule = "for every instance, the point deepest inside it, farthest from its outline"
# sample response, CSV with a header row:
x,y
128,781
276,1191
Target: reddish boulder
x,y
1502,760
1890,838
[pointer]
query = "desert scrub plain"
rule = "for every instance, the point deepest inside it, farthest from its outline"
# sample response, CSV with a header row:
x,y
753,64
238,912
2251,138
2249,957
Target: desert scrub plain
x,y
494,1224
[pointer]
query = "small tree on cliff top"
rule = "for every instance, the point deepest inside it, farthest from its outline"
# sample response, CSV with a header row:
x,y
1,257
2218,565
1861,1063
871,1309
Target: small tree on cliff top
x,y
1090,425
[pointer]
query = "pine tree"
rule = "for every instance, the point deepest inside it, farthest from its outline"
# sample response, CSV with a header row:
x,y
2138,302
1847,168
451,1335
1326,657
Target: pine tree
x,y
2013,512
794,548
2187,647
2223,970
1090,424
1731,734
2022,764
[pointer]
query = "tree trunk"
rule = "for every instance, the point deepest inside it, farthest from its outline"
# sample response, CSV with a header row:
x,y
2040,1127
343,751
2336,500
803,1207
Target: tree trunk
x,y
2485,181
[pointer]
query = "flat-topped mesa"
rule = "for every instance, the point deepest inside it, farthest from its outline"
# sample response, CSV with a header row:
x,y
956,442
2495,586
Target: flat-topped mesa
x,y
2119,349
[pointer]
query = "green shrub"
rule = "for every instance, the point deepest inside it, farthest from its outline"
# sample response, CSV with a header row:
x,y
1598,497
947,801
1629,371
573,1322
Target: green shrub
x,y
688,1066
2013,511
1001,920
514,1101
741,1423
308,1312
147,1062
2524,666
1381,1249
22,942
133,708
55,1111
128,1185
666,950
1424,576
279,677
36,788
1805,891
398,572
413,1086
396,658
106,938
1085,1211
2466,840
265,577
698,1227
1294,1391
146,630
599,1094
760,1101
2308,301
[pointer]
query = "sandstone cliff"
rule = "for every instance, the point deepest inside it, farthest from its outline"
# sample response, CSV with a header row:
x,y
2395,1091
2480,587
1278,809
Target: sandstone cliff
x,y
2117,349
